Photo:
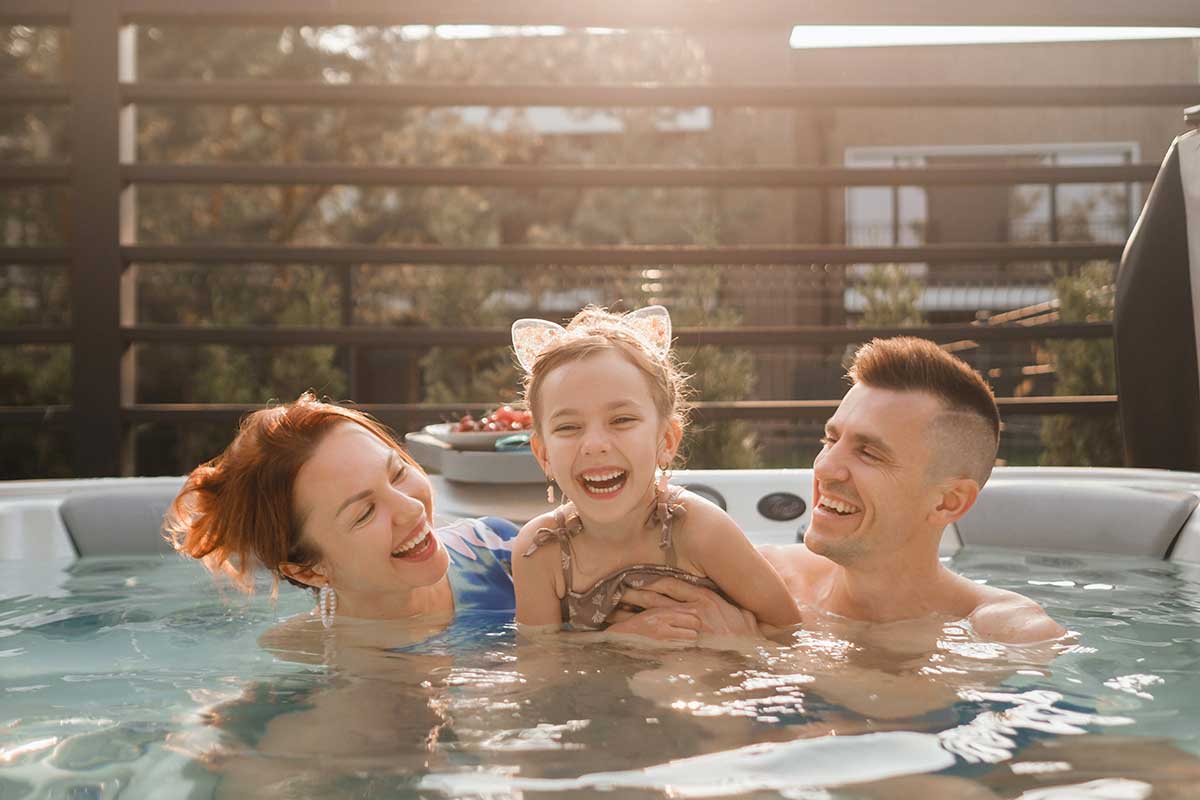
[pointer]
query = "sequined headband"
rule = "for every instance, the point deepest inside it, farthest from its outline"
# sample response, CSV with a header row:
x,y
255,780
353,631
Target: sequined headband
x,y
530,337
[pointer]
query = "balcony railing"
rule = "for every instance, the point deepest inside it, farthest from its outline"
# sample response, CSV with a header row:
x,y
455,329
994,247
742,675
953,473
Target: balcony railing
x,y
101,247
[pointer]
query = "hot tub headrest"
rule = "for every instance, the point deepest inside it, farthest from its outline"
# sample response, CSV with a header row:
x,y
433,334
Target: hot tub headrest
x,y
1077,515
119,522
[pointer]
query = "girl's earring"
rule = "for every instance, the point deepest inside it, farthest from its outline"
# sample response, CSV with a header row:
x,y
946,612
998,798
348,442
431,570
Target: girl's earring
x,y
327,604
664,475
550,498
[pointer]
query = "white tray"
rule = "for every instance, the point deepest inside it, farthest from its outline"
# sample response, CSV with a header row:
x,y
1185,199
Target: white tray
x,y
472,466
466,440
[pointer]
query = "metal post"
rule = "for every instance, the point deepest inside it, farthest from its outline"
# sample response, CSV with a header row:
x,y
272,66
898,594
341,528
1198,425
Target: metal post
x,y
1128,221
127,204
1053,187
98,359
350,353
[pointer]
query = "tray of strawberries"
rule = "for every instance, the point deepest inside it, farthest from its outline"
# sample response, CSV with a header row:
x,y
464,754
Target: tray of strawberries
x,y
469,433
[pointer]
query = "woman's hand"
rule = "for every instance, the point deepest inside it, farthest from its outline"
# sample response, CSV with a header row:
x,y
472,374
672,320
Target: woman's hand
x,y
715,616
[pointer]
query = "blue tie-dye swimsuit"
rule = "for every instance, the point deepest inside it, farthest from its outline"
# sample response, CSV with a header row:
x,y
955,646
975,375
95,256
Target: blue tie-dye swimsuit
x,y
480,575
480,563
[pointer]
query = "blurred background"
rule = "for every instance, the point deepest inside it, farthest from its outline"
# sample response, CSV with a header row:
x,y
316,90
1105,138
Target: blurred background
x,y
205,209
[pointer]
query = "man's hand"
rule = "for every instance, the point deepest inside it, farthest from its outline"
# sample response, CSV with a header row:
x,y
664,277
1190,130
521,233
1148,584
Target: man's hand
x,y
675,622
714,616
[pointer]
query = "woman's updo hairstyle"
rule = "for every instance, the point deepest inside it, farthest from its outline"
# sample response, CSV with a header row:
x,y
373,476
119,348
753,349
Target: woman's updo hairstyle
x,y
237,512
594,330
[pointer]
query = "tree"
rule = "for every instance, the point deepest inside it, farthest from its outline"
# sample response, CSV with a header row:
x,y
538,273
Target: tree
x,y
891,293
1083,367
33,295
394,296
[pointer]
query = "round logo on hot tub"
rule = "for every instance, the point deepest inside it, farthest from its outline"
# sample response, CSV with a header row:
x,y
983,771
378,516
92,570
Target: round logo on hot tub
x,y
781,506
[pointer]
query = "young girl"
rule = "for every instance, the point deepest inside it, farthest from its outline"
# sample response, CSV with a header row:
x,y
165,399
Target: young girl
x,y
607,403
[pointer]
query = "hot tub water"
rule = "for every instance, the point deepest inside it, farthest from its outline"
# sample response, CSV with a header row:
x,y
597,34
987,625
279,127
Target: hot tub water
x,y
134,678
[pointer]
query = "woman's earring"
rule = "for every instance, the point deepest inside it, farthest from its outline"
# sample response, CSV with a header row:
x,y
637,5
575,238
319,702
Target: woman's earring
x,y
327,604
550,498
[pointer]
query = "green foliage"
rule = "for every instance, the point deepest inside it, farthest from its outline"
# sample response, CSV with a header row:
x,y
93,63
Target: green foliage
x,y
1083,367
461,299
891,292
393,296
717,373
33,296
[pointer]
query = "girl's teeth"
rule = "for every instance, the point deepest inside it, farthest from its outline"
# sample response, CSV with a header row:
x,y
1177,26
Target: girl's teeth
x,y
604,482
605,476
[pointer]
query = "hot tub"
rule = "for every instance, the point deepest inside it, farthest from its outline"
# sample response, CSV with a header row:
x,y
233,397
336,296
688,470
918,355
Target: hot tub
x,y
124,672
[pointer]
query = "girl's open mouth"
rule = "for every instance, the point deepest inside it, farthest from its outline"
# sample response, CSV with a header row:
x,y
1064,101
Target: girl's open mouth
x,y
603,483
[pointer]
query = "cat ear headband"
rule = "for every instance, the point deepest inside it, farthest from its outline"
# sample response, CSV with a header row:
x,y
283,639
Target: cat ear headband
x,y
531,336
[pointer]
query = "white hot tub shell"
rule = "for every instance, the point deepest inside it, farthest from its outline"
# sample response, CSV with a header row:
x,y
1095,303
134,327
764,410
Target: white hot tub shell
x,y
1119,511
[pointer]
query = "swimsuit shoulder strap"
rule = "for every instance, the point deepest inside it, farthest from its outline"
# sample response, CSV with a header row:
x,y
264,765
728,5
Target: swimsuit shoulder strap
x,y
667,508
564,528
564,543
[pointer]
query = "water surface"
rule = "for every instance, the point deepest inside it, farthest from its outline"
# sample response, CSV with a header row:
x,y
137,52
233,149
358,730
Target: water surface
x,y
136,678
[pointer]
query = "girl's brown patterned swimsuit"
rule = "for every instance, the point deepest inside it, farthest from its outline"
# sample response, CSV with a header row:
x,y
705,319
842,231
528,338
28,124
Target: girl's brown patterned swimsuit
x,y
589,610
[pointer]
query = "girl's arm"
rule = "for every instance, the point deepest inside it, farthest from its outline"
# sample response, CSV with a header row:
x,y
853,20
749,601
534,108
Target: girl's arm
x,y
537,578
715,543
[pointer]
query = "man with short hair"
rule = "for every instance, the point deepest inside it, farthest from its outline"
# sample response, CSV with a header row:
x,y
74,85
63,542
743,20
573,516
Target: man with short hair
x,y
910,446
906,453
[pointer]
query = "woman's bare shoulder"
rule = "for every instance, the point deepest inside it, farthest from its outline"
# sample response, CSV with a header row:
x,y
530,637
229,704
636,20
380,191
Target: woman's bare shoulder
x,y
300,638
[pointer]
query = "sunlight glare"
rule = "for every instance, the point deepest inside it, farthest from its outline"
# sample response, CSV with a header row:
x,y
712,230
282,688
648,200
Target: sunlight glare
x,y
825,36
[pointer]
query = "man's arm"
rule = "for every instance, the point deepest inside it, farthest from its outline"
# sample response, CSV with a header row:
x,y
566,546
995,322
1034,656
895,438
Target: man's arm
x,y
715,616
1013,619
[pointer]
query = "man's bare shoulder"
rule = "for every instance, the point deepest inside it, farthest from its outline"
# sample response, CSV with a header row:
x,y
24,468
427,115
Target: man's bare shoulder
x,y
795,563
1005,616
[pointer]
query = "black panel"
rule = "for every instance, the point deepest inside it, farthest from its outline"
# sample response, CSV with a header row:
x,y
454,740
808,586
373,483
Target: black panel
x,y
1153,327
782,506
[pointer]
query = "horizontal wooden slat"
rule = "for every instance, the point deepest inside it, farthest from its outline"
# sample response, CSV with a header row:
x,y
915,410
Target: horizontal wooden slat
x,y
748,336
34,256
815,410
32,93
1089,405
34,415
34,335
23,174
175,413
822,409
781,177
35,12
642,95
723,15
649,255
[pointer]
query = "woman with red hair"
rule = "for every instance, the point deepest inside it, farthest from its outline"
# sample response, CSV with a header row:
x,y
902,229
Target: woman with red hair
x,y
324,497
